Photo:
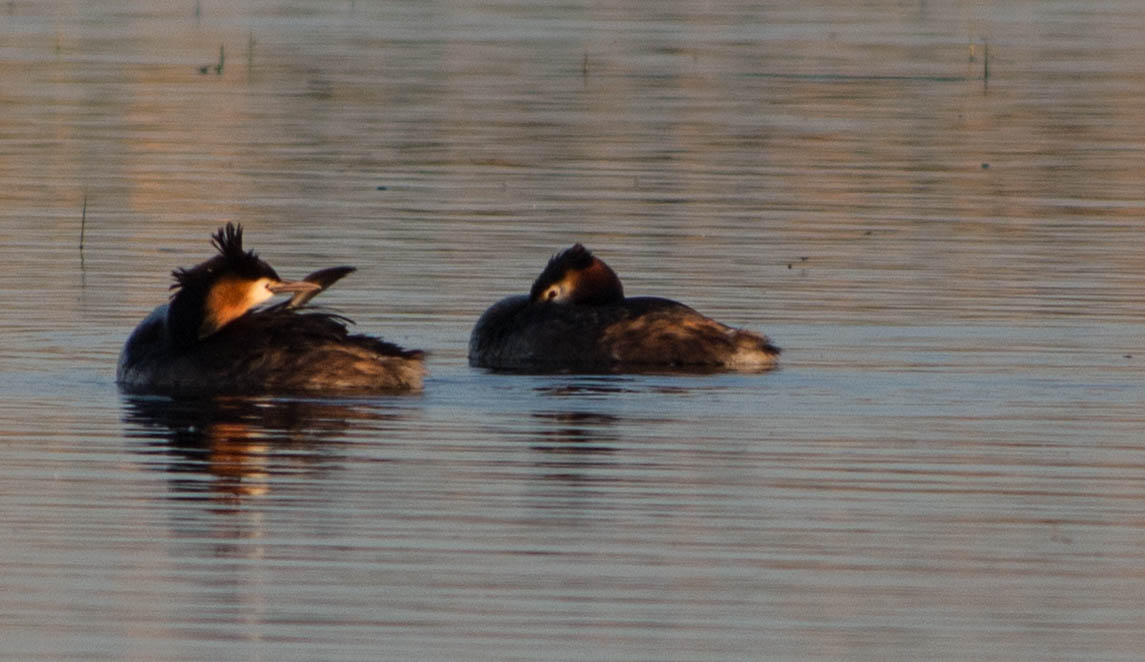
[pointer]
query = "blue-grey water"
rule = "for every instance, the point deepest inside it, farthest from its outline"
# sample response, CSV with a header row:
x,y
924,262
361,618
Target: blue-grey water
x,y
935,208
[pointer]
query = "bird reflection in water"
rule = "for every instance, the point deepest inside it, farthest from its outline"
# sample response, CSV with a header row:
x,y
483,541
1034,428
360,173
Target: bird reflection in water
x,y
572,453
576,437
575,433
240,443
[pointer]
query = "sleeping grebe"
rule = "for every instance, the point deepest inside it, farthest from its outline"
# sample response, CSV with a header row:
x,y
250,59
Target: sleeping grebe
x,y
209,340
577,318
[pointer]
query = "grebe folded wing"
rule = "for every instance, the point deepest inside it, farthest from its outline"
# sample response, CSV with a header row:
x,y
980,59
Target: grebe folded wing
x,y
666,332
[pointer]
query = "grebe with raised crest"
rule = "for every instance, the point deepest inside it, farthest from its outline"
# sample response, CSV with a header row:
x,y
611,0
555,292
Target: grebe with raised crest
x,y
211,338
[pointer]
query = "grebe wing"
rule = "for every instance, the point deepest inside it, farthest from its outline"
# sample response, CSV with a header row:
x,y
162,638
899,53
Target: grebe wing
x,y
665,332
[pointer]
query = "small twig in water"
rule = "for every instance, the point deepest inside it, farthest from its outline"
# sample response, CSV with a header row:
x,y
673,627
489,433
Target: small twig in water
x,y
217,67
249,53
83,221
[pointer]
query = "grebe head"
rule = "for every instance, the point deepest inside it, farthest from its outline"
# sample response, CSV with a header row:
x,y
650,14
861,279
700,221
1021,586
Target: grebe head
x,y
208,296
575,275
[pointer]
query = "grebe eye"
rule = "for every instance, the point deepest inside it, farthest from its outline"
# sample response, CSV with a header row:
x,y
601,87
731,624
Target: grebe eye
x,y
551,293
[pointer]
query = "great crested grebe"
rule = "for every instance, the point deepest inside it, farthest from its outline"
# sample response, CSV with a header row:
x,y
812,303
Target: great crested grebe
x,y
576,318
210,339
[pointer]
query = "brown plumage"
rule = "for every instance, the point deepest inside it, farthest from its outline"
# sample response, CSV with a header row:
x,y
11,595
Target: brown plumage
x,y
210,338
576,318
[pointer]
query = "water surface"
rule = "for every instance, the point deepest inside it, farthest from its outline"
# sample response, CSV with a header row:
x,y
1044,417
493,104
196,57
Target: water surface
x,y
933,207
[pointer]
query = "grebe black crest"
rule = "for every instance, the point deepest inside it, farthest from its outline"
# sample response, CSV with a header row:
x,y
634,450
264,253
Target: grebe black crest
x,y
211,337
576,318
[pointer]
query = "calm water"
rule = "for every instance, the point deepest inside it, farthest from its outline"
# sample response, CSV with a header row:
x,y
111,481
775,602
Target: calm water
x,y
936,208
